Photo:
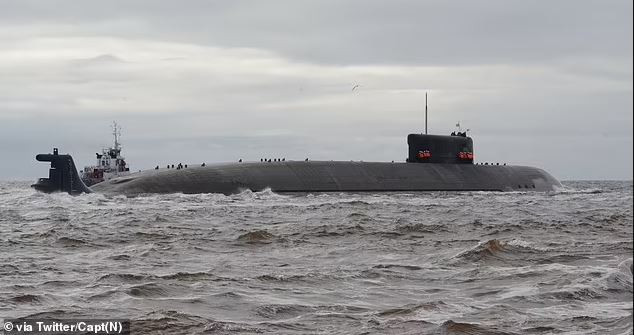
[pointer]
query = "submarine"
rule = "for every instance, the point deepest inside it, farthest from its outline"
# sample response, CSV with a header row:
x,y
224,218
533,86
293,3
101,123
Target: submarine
x,y
434,163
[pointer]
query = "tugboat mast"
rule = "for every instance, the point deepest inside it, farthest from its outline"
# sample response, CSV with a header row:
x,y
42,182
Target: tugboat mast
x,y
116,132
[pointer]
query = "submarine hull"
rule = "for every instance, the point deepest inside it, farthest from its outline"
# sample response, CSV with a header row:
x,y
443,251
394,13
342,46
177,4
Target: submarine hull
x,y
331,176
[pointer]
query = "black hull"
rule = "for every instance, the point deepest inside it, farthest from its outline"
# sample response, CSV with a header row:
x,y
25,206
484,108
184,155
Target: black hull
x,y
332,176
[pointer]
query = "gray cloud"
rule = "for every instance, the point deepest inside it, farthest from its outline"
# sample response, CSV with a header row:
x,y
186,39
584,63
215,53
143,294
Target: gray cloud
x,y
361,31
539,83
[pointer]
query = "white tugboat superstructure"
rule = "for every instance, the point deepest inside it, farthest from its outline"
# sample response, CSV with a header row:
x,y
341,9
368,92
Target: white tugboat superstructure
x,y
110,163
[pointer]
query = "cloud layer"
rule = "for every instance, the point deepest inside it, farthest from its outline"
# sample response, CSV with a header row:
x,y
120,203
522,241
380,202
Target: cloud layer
x,y
545,86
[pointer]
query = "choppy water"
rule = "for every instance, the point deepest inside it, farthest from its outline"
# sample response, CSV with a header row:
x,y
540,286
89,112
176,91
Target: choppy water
x,y
398,263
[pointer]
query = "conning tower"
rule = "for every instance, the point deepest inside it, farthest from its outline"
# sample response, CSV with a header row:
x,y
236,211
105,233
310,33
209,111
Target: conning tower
x,y
438,149
454,149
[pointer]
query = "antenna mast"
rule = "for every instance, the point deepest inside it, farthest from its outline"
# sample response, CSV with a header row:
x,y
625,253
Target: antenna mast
x,y
116,131
425,113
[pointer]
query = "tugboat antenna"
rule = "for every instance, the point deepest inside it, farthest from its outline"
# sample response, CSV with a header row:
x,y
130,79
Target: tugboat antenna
x,y
116,131
425,113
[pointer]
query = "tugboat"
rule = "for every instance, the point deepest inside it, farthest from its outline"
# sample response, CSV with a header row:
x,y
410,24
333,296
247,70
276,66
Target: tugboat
x,y
110,163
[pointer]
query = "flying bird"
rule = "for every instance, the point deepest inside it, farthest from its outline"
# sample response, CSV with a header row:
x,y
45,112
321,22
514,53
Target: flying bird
x,y
355,87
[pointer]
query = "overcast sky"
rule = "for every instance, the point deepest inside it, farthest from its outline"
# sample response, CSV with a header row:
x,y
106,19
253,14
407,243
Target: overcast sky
x,y
541,83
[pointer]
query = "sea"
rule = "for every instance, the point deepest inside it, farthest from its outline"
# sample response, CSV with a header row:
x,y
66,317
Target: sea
x,y
324,263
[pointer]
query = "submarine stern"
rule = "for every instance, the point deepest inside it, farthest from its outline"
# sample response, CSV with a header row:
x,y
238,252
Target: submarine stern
x,y
62,175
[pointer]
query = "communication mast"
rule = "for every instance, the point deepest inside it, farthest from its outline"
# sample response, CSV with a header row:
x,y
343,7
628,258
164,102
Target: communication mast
x,y
425,113
116,132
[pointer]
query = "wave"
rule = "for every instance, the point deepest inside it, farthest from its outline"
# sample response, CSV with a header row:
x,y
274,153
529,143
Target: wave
x,y
619,325
335,230
142,279
189,276
146,235
124,277
359,216
515,252
8,269
412,309
398,266
621,278
312,277
257,236
567,190
120,257
26,299
148,290
573,294
105,296
283,278
172,322
248,195
373,274
459,328
484,250
57,284
70,242
56,314
279,311
422,228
